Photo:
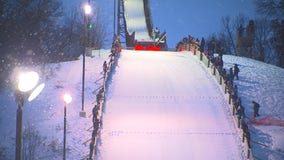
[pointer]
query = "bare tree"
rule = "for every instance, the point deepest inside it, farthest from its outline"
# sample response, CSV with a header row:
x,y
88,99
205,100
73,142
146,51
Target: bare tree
x,y
274,10
262,44
3,153
32,142
98,32
270,8
228,35
26,26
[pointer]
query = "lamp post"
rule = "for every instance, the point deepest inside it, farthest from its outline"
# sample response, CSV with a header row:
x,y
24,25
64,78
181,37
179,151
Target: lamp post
x,y
87,12
19,123
26,82
67,99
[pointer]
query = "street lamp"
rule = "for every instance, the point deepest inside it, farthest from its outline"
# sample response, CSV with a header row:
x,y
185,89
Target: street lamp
x,y
67,99
27,81
87,12
87,9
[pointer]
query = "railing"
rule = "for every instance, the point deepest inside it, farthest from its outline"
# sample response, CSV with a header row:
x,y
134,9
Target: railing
x,y
220,79
98,108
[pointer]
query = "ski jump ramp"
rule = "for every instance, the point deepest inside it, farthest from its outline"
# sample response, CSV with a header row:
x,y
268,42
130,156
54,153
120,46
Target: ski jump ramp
x,y
166,106
135,19
138,24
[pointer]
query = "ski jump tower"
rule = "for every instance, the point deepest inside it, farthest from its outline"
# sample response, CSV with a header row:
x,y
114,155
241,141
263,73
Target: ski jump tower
x,y
134,24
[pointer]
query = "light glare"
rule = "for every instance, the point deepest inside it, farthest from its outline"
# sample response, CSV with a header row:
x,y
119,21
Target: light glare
x,y
67,98
27,81
87,9
36,92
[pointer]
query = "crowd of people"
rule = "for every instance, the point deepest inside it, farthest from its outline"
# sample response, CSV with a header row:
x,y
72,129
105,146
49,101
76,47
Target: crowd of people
x,y
189,42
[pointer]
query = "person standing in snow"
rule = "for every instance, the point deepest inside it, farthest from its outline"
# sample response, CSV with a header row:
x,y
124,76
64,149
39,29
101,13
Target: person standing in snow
x,y
231,74
240,112
105,67
236,72
255,109
202,45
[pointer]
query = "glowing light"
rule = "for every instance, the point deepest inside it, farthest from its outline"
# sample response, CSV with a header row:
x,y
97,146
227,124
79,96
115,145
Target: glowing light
x,y
87,9
67,98
27,81
36,92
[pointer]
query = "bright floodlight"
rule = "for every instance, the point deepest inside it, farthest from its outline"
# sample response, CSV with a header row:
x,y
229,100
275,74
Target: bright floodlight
x,y
27,81
87,9
67,98
36,92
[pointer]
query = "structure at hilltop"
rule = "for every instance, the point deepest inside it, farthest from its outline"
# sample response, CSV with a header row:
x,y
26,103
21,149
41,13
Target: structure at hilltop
x,y
134,24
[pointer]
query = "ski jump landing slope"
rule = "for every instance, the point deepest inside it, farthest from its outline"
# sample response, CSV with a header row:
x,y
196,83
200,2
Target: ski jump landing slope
x,y
166,106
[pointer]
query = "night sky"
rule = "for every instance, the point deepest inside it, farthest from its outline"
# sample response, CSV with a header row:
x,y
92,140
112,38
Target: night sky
x,y
198,18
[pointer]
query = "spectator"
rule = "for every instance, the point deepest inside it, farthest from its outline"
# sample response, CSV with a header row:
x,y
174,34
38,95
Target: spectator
x,y
235,93
255,109
241,112
105,67
202,45
228,87
231,74
224,74
238,103
236,71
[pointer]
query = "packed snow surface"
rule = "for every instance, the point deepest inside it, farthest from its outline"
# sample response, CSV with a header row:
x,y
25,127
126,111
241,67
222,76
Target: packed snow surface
x,y
164,105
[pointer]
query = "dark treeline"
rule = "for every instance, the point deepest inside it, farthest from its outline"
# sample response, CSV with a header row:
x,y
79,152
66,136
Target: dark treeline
x,y
261,38
36,32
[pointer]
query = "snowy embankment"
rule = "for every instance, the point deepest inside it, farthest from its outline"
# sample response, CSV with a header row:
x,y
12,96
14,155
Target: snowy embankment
x,y
264,84
166,105
45,113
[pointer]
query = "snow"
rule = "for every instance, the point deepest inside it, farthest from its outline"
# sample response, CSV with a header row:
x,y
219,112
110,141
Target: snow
x,y
264,84
160,105
45,113
166,106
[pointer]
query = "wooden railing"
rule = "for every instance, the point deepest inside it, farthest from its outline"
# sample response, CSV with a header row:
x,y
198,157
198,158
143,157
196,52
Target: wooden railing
x,y
97,112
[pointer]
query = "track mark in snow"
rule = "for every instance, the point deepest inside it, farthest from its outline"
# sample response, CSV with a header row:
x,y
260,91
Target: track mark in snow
x,y
116,133
167,98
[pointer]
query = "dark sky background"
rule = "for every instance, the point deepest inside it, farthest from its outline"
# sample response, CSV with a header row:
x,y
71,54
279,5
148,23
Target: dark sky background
x,y
180,18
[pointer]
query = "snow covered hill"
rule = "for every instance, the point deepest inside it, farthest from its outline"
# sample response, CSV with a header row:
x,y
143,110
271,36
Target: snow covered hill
x,y
43,117
264,84
45,113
